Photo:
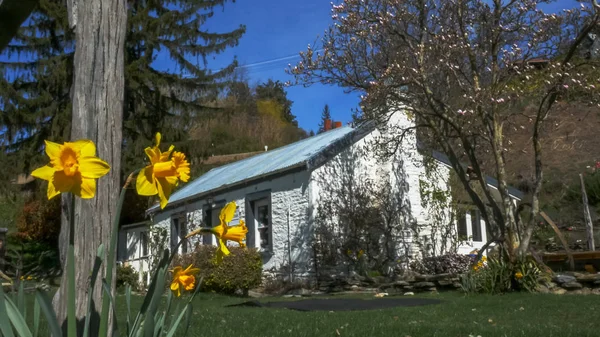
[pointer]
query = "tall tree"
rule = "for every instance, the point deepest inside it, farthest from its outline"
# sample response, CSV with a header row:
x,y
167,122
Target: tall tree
x,y
35,81
37,77
166,100
274,91
325,115
12,15
462,68
245,121
98,94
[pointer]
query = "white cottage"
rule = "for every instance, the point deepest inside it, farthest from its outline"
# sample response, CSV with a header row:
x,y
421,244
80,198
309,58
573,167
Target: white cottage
x,y
279,191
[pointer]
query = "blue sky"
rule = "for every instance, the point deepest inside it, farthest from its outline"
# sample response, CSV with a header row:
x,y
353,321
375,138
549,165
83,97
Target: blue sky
x,y
278,29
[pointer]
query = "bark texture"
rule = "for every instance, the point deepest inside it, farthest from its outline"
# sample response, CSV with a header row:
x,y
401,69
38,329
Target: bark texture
x,y
97,115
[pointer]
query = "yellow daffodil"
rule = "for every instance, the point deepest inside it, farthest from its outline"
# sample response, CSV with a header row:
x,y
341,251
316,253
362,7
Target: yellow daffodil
x,y
518,275
166,169
73,168
185,279
225,233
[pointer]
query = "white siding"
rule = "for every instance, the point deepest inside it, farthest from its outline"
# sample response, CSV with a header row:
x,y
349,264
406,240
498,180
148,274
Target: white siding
x,y
298,194
288,192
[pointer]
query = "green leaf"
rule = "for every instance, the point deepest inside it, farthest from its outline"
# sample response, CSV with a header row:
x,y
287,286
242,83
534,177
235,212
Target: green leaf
x,y
5,326
36,318
21,300
169,305
128,303
103,330
150,294
95,271
71,316
156,296
160,323
46,306
176,323
149,326
17,319
188,319
189,312
108,293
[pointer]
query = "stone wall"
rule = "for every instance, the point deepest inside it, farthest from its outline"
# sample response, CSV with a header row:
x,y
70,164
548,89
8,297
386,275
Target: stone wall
x,y
399,285
573,283
563,283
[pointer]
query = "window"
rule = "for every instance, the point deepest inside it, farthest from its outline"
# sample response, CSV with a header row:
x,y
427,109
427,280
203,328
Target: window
x,y
476,225
144,240
211,219
261,224
470,226
178,232
462,227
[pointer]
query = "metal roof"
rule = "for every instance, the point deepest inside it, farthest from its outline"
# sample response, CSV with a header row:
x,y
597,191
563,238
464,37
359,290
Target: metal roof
x,y
277,160
305,153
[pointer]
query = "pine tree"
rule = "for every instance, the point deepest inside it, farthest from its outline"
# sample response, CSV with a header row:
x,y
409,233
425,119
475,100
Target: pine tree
x,y
275,92
36,79
325,115
166,101
35,83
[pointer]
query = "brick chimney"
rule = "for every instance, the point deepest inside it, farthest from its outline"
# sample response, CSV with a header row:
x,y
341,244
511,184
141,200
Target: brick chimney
x,y
327,124
337,125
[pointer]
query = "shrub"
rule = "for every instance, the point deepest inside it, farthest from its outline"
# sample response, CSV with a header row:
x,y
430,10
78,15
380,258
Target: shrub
x,y
497,276
443,264
27,257
39,220
126,275
241,270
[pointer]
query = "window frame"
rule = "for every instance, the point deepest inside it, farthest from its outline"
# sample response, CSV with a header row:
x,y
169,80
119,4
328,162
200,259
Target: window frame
x,y
211,209
470,220
179,220
253,238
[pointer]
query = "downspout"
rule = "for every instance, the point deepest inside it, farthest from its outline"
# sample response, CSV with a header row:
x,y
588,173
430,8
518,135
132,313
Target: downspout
x,y
291,274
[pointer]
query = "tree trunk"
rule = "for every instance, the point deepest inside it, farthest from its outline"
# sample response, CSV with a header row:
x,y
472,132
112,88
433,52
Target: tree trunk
x,y
97,115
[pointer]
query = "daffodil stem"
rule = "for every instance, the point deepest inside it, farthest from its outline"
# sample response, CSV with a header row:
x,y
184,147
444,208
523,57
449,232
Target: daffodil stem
x,y
201,230
110,261
71,316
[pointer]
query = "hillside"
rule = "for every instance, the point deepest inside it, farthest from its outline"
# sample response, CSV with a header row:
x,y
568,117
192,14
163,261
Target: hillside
x,y
571,145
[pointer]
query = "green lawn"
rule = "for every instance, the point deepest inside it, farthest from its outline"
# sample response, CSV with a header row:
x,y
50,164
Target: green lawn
x,y
487,316
527,315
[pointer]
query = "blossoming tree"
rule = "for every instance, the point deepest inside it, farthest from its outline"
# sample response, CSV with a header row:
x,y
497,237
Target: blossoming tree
x,y
461,68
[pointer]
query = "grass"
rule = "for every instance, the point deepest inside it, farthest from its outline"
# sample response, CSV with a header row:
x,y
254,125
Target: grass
x,y
486,316
509,315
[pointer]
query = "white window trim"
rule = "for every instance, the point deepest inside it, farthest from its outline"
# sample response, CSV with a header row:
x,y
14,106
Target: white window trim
x,y
262,198
182,221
